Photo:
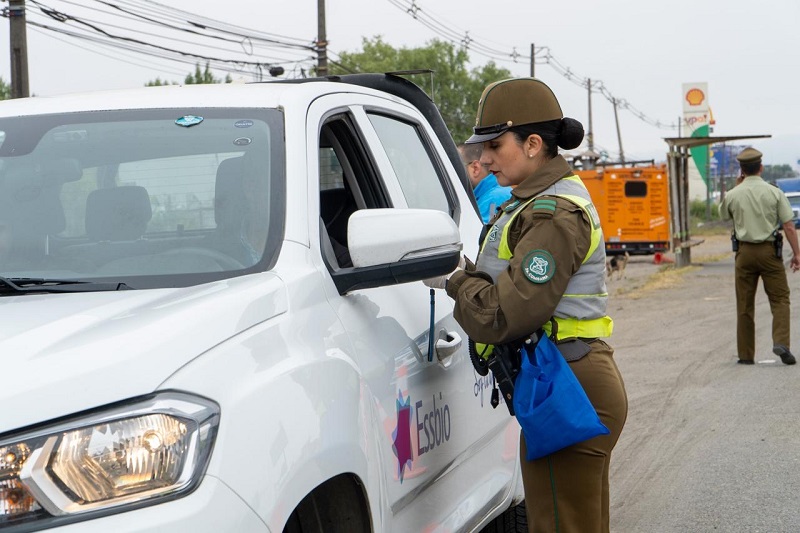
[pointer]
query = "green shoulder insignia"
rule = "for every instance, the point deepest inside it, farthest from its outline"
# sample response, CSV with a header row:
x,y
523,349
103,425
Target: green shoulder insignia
x,y
544,206
539,266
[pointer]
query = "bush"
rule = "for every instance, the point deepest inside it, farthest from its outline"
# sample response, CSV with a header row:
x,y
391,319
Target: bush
x,y
697,209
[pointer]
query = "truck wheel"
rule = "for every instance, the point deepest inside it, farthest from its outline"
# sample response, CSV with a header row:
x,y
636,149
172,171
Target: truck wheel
x,y
337,506
513,520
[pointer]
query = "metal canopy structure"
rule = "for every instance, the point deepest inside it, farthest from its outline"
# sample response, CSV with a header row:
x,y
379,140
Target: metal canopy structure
x,y
678,172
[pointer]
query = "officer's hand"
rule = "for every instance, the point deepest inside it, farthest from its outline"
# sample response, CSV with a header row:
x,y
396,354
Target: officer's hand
x,y
795,263
439,282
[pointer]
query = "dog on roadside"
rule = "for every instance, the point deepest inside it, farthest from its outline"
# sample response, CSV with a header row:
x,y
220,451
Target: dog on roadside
x,y
617,263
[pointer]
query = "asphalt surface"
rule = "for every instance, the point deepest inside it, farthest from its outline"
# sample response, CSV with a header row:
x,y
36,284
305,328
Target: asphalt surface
x,y
709,445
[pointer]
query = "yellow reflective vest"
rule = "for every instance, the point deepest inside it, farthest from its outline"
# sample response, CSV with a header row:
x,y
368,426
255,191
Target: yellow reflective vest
x,y
581,312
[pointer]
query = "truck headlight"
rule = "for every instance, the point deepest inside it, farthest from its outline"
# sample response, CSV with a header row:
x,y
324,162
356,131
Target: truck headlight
x,y
128,455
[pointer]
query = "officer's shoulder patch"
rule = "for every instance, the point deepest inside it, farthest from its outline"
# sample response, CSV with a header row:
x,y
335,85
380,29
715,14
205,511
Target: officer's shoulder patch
x,y
539,266
510,207
494,233
544,207
593,215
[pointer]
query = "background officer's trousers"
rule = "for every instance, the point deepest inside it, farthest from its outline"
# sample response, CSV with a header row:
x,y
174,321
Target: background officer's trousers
x,y
754,260
567,491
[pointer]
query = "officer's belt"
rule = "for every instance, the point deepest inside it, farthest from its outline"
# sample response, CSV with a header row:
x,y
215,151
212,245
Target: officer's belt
x,y
572,349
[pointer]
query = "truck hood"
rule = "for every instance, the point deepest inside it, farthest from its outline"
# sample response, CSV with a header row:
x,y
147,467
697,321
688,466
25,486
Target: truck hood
x,y
64,353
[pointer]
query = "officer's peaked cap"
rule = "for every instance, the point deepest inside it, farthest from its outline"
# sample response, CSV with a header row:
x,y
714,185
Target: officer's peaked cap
x,y
513,102
749,155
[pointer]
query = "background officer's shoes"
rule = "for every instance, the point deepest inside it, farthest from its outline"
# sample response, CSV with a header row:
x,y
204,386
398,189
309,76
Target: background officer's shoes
x,y
784,353
746,362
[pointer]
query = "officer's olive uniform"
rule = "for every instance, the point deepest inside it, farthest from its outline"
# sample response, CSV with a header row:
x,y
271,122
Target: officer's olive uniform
x,y
757,209
568,490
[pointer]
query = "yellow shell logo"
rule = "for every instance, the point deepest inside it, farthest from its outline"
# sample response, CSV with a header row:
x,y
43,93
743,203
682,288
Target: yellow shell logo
x,y
695,97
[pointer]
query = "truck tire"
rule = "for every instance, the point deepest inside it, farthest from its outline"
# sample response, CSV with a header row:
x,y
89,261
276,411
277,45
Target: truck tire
x,y
336,506
513,520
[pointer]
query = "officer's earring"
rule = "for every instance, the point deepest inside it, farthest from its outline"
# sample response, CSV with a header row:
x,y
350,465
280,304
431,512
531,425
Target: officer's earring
x,y
530,156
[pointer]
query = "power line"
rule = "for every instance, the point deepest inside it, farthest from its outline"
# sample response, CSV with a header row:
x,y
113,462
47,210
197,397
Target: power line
x,y
60,16
136,16
99,33
195,25
116,57
230,66
223,26
467,41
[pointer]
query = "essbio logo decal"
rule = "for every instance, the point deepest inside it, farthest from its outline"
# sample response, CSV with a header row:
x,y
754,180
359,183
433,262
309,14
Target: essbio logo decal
x,y
401,436
432,424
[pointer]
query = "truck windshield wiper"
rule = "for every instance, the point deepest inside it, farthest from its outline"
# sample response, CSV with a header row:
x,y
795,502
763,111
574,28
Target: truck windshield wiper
x,y
39,285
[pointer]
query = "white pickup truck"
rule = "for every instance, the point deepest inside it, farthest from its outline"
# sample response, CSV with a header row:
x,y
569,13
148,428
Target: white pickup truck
x,y
212,319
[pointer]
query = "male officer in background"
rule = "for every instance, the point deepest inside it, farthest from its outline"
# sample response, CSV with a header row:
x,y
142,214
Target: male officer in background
x,y
759,210
488,194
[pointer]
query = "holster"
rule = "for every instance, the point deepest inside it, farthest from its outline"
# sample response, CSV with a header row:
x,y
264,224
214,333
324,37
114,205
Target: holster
x,y
778,243
573,349
734,242
505,364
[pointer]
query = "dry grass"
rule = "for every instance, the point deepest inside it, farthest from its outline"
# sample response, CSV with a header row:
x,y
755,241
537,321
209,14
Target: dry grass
x,y
711,258
667,277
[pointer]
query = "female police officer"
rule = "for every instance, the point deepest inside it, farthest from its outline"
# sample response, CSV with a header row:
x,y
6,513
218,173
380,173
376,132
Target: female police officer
x,y
542,264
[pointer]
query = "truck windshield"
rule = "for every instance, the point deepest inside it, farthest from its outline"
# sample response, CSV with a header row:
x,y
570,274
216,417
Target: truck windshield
x,y
149,198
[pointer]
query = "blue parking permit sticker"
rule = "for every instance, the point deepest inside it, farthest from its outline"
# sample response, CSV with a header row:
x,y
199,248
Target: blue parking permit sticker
x,y
188,120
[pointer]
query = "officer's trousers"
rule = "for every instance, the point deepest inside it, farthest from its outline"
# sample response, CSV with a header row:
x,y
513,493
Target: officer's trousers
x,y
754,260
567,491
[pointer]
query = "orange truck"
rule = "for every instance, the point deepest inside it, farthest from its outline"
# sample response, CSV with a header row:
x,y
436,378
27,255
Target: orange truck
x,y
633,204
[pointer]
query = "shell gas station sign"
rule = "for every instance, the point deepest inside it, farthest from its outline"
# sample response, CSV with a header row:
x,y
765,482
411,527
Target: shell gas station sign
x,y
697,122
696,110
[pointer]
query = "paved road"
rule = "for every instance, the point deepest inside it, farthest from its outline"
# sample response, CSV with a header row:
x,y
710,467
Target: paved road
x,y
709,445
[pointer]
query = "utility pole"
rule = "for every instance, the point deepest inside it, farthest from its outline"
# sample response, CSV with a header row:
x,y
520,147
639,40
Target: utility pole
x,y
19,49
322,40
589,134
619,134
533,61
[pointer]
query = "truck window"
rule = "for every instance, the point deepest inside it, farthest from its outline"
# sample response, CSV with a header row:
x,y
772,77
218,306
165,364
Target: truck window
x,y
636,189
139,197
412,163
347,182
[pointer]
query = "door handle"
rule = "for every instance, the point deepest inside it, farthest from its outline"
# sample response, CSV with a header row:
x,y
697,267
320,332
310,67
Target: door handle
x,y
447,345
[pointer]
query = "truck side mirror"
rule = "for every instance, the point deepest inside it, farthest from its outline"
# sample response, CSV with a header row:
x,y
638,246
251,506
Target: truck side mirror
x,y
391,246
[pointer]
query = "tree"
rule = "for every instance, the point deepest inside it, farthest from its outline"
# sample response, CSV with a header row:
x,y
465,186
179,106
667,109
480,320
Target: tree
x,y
204,77
195,78
456,90
158,83
5,89
776,172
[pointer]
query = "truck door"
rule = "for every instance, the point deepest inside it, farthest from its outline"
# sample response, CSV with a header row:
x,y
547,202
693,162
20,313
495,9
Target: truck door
x,y
447,458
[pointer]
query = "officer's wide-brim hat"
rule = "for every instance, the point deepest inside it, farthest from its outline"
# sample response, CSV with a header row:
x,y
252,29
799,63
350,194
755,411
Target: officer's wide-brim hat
x,y
749,155
513,102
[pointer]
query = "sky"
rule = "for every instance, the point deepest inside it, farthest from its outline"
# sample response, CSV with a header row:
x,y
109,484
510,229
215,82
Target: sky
x,y
639,52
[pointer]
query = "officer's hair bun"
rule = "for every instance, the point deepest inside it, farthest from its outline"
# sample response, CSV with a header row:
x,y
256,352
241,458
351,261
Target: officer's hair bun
x,y
570,133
